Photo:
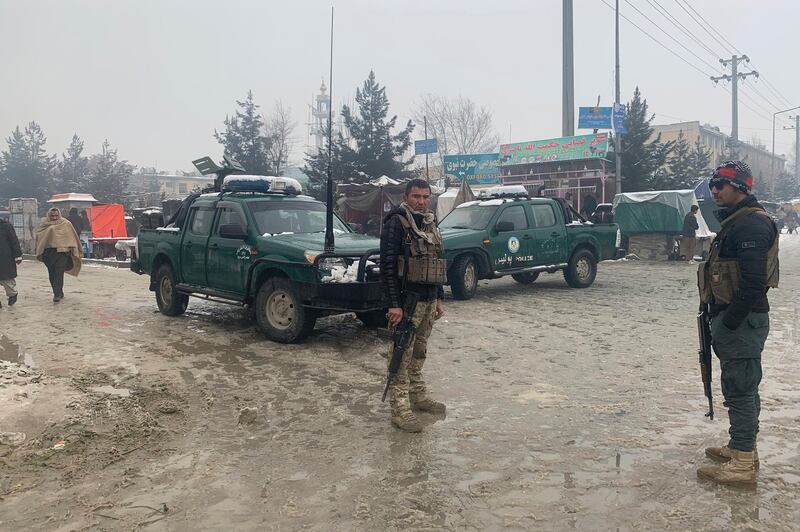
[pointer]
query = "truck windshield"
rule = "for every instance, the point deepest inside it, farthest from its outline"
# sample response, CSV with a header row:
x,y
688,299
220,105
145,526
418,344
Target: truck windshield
x,y
473,217
277,217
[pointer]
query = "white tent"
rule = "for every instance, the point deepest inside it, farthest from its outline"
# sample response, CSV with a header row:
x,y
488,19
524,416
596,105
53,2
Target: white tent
x,y
384,180
452,198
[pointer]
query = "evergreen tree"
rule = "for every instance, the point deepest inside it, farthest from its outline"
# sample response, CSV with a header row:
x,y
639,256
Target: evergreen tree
x,y
27,169
679,164
108,176
787,186
245,139
72,174
699,160
643,159
372,149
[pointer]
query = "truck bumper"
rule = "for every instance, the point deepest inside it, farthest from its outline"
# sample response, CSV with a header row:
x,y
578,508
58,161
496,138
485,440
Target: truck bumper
x,y
344,297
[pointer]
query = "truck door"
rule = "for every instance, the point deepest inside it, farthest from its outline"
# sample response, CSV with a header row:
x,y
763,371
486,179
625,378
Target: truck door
x,y
193,249
511,245
549,235
228,256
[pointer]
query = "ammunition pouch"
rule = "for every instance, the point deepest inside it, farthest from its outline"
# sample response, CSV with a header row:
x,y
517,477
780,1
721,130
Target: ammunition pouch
x,y
423,269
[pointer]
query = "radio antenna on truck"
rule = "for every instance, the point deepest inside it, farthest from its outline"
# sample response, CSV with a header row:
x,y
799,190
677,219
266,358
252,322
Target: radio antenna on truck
x,y
329,242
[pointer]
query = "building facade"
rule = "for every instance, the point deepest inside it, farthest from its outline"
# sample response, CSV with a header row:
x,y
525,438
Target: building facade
x,y
765,167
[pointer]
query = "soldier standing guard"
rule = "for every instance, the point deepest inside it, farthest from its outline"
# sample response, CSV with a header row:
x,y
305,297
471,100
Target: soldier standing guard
x,y
411,260
742,267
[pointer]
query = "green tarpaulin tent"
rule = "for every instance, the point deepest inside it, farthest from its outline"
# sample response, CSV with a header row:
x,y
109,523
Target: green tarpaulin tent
x,y
653,212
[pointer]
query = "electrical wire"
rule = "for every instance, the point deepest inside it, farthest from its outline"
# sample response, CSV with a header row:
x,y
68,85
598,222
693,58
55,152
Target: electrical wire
x,y
712,28
725,48
677,23
670,50
712,67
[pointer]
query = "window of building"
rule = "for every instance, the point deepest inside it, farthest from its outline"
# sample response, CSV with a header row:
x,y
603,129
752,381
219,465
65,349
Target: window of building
x,y
182,188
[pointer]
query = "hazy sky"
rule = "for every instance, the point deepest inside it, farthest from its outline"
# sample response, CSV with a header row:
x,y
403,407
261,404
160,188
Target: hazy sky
x,y
156,77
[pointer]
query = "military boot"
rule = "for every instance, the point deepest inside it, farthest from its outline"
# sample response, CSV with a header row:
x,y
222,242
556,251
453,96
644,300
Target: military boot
x,y
402,416
723,454
423,403
740,469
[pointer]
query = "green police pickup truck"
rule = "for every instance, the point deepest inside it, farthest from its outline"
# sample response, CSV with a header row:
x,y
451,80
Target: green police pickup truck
x,y
259,242
513,234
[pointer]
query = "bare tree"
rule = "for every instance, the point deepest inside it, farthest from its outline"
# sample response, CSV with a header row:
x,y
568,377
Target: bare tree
x,y
458,123
280,129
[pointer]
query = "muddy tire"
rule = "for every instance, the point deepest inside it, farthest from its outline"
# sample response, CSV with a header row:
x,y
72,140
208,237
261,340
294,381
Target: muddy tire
x,y
582,269
170,302
464,277
279,314
525,278
374,318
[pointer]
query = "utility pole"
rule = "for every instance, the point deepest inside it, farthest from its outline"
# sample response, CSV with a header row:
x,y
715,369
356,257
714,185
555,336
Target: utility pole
x,y
427,174
796,128
734,78
568,74
617,140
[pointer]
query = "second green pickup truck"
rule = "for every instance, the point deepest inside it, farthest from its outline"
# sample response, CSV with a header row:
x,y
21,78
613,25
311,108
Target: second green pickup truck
x,y
520,236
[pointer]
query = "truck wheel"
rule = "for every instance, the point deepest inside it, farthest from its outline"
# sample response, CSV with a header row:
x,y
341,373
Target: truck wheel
x,y
582,269
373,318
525,278
464,277
279,314
170,302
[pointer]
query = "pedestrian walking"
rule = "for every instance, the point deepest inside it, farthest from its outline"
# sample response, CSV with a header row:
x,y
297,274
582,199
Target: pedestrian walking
x,y
10,257
689,234
58,247
741,268
412,262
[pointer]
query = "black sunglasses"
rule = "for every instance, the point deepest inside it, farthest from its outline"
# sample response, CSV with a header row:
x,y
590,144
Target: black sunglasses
x,y
717,183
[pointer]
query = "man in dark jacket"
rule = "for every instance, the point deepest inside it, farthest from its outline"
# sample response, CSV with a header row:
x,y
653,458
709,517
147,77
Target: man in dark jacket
x,y
10,256
689,234
76,220
411,260
742,266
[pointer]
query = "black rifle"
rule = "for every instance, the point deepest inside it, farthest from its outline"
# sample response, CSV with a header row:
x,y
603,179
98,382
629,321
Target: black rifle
x,y
401,338
704,335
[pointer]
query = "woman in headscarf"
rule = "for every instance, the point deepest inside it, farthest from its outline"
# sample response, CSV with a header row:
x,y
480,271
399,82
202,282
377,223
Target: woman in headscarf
x,y
58,246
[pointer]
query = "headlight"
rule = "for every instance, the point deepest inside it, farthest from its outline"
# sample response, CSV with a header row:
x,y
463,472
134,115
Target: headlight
x,y
332,262
326,264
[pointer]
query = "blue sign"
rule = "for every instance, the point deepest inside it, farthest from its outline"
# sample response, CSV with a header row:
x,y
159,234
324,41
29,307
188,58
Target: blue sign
x,y
619,118
594,118
421,147
477,169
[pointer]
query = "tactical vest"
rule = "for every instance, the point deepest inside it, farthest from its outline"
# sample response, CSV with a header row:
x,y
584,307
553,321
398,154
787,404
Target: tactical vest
x,y
423,258
718,278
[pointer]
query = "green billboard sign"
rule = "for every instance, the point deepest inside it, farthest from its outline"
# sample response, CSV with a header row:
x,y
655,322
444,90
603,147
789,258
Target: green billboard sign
x,y
558,149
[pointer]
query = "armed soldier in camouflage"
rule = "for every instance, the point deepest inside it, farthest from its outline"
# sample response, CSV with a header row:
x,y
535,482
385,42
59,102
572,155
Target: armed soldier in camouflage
x,y
412,260
741,268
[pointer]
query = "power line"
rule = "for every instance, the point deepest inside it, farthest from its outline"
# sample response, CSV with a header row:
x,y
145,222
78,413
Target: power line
x,y
677,23
727,51
712,67
670,50
712,27
783,100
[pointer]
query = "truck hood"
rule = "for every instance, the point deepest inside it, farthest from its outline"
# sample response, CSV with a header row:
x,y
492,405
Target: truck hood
x,y
345,242
455,233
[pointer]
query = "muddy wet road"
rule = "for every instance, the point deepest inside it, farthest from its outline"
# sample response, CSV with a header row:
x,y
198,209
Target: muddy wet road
x,y
567,410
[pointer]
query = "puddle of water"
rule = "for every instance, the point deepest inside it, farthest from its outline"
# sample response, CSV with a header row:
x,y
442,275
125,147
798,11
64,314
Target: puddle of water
x,y
110,390
11,352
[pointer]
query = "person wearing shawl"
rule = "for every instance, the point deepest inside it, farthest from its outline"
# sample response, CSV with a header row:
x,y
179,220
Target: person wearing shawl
x,y
58,247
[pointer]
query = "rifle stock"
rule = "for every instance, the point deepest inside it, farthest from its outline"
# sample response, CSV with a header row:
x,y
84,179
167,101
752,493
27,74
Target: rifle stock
x,y
704,337
401,338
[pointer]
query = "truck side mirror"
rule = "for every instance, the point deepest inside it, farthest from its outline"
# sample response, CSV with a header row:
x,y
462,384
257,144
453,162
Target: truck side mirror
x,y
503,227
233,231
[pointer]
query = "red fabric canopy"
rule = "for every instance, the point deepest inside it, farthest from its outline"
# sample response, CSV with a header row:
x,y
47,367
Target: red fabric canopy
x,y
108,221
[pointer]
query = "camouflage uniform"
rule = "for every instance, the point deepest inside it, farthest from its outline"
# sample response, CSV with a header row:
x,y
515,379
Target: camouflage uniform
x,y
411,262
